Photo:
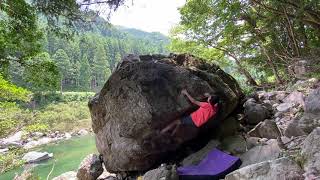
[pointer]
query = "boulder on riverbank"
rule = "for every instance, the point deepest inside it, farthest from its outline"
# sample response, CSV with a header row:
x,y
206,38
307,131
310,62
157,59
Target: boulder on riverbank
x,y
34,156
142,96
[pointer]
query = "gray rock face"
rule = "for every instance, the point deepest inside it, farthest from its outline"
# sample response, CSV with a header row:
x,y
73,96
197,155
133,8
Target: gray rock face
x,y
195,158
312,102
266,129
142,96
162,173
282,168
33,156
303,126
255,112
257,154
90,168
311,153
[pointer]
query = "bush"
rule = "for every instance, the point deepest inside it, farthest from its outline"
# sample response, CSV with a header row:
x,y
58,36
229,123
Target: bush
x,y
12,117
11,160
63,116
38,127
45,98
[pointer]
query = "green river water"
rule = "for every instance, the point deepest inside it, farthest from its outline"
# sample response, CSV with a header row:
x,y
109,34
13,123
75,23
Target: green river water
x,y
67,155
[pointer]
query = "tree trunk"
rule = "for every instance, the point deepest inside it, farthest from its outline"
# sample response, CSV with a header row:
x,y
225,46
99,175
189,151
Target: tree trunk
x,y
271,64
243,71
61,84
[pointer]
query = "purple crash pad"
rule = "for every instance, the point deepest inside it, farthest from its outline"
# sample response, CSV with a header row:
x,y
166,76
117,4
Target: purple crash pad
x,y
216,163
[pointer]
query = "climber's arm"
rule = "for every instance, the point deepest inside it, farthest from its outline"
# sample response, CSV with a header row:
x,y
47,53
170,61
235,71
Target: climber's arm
x,y
190,97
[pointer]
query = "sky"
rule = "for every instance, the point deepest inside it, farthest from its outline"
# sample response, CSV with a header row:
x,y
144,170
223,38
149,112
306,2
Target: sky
x,y
148,15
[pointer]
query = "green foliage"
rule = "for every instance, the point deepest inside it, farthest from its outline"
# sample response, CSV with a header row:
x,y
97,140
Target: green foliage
x,y
11,92
63,116
42,73
19,33
11,160
38,127
266,36
12,117
41,99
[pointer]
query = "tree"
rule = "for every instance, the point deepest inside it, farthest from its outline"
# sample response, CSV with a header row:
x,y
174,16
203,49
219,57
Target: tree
x,y
100,67
18,33
63,62
42,73
85,73
267,35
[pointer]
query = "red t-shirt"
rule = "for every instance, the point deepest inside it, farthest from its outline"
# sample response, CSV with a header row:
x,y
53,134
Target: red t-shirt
x,y
203,114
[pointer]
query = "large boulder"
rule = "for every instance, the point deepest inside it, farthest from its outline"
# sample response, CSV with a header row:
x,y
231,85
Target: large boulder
x,y
255,112
282,168
269,151
34,156
142,96
266,129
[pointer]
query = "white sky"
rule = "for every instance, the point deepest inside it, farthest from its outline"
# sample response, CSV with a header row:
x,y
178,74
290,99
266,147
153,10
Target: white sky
x,y
148,15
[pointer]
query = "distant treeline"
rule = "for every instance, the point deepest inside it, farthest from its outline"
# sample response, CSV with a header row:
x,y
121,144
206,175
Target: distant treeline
x,y
86,60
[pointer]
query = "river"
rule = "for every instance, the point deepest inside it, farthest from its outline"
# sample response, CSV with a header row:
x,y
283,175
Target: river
x,y
67,156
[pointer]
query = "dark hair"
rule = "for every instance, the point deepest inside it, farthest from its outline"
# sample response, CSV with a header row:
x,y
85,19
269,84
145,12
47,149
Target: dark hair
x,y
215,100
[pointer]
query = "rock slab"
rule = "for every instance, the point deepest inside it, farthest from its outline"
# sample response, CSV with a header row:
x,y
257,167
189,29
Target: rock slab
x,y
283,168
34,156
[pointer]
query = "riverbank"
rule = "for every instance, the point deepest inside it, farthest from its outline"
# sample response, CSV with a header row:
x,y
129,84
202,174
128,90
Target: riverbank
x,y
67,155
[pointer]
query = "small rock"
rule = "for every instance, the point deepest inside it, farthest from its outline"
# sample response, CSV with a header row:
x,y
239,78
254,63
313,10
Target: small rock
x,y
34,156
83,132
71,175
282,168
67,135
90,168
261,153
162,173
266,129
38,134
284,107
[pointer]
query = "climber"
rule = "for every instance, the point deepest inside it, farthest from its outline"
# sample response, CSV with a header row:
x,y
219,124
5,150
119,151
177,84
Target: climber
x,y
206,111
